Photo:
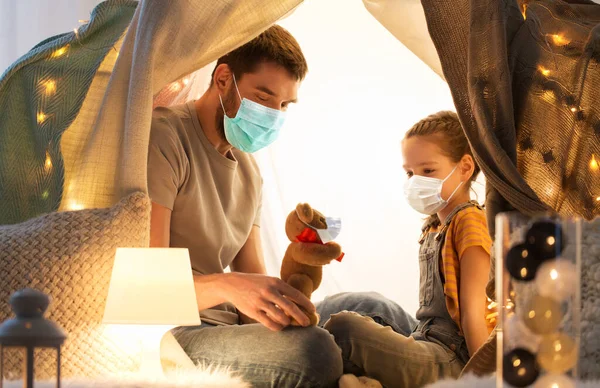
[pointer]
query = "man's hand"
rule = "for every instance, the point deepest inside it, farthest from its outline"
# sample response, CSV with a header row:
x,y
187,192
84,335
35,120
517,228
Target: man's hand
x,y
267,300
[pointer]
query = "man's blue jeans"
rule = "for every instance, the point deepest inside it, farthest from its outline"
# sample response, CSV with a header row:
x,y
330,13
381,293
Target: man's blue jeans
x,y
294,357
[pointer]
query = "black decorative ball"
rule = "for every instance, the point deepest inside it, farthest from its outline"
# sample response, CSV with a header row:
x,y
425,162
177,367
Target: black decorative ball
x,y
519,368
520,263
545,240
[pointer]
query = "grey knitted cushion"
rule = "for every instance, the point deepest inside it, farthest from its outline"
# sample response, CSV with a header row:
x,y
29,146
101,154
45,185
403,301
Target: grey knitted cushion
x,y
69,256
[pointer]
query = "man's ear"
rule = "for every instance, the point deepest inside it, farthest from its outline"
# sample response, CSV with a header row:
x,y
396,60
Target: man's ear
x,y
467,167
222,77
305,212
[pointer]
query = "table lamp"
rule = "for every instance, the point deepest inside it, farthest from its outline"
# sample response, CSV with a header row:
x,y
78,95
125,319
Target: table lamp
x,y
153,289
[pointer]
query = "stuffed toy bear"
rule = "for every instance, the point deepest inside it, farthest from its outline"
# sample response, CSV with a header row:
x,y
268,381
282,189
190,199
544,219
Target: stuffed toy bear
x,y
302,265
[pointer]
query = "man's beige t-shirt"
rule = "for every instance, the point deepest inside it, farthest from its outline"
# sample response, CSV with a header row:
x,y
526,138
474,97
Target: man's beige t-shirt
x,y
215,199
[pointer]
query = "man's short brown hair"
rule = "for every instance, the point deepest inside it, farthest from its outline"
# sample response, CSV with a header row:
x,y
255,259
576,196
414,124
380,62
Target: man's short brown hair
x,y
274,45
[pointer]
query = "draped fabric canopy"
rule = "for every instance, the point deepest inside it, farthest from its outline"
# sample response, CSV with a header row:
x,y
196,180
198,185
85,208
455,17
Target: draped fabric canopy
x,y
76,110
524,78
523,86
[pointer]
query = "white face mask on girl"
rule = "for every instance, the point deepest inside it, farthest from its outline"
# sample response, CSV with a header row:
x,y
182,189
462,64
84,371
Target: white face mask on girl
x,y
424,194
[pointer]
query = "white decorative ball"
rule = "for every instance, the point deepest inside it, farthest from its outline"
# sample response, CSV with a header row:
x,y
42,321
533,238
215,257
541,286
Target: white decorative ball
x,y
554,381
556,279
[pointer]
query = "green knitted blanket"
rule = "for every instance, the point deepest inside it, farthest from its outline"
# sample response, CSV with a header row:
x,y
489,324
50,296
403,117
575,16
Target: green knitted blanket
x,y
40,96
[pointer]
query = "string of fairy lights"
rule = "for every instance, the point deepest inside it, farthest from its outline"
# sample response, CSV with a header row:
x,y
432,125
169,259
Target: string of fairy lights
x,y
553,88
525,261
538,349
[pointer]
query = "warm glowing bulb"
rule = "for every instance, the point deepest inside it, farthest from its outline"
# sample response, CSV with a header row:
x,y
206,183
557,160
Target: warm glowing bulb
x,y
523,272
553,274
573,109
186,81
492,316
549,96
594,163
544,71
41,117
50,86
598,198
48,163
60,52
175,86
557,346
560,40
75,206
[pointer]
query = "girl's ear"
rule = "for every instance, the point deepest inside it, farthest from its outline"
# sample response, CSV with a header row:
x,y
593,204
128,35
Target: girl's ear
x,y
467,167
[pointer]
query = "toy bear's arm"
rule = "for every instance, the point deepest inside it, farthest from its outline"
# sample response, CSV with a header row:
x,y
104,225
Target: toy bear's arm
x,y
315,254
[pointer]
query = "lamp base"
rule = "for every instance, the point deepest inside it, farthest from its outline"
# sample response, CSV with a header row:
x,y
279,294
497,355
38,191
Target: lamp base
x,y
150,340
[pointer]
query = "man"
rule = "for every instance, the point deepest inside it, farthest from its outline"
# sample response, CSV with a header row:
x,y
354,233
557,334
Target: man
x,y
206,196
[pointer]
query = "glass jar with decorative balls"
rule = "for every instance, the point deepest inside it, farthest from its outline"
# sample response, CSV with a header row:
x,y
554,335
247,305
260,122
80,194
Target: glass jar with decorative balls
x,y
538,272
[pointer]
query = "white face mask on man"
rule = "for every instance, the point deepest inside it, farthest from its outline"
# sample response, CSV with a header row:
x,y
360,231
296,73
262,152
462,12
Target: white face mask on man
x,y
424,194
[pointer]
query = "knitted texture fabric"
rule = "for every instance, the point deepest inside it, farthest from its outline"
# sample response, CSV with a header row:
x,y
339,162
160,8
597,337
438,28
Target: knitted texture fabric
x,y
589,356
69,256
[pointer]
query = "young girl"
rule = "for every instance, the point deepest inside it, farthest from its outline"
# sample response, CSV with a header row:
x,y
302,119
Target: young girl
x,y
454,261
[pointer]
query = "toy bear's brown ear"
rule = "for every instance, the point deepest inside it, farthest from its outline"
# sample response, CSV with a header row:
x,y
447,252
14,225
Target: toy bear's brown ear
x,y
305,212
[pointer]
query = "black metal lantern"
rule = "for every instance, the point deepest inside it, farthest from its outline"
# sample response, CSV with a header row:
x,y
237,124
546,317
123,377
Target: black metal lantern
x,y
30,330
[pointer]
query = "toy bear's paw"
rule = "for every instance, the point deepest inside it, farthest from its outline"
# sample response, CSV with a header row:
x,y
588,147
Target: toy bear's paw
x,y
315,254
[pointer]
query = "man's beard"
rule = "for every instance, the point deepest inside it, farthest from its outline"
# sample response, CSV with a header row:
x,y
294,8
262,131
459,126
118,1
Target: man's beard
x,y
229,103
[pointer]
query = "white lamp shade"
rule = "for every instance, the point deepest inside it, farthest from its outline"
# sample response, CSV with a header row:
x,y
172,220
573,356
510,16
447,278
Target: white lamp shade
x,y
152,286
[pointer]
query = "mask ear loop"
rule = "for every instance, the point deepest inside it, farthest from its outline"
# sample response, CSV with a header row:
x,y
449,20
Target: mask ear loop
x,y
457,187
454,192
222,106
236,89
451,172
